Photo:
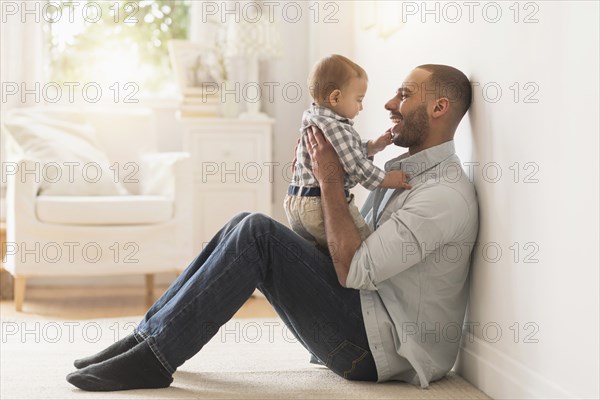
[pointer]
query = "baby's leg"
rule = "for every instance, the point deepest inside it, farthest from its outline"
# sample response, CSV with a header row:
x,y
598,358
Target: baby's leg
x,y
311,217
301,214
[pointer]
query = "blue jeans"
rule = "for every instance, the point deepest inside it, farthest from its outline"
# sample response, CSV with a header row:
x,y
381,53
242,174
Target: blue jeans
x,y
254,251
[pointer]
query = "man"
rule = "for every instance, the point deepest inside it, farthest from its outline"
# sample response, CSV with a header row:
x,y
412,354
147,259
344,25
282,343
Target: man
x,y
405,321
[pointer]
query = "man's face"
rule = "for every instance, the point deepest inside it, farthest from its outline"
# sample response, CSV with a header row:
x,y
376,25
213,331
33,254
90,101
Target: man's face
x,y
408,111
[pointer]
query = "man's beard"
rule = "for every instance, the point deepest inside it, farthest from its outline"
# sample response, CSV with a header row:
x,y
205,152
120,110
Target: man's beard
x,y
412,129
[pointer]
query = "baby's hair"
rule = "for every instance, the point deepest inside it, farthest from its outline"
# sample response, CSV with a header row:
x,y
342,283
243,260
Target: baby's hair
x,y
331,73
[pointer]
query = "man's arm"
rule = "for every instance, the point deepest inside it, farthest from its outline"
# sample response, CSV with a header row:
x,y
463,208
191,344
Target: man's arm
x,y
342,235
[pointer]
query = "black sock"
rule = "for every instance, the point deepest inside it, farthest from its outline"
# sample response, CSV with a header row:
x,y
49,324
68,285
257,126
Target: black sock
x,y
137,368
115,349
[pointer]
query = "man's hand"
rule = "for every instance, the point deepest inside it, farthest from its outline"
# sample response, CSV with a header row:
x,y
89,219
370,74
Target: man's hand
x,y
377,145
325,162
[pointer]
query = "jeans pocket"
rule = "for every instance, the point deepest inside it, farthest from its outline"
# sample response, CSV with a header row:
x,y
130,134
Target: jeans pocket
x,y
351,362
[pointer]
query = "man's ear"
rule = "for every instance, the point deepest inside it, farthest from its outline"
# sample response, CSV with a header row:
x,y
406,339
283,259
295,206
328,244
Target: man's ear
x,y
334,97
441,106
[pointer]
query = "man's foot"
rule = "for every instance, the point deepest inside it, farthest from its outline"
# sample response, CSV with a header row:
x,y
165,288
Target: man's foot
x,y
137,368
115,349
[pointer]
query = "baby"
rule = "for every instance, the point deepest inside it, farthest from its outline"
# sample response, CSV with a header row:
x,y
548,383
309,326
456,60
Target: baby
x,y
338,87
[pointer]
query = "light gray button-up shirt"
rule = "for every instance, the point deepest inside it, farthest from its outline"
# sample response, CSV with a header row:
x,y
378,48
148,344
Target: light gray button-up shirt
x,y
413,269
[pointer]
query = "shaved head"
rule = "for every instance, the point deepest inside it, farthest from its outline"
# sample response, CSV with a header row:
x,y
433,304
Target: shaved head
x,y
451,83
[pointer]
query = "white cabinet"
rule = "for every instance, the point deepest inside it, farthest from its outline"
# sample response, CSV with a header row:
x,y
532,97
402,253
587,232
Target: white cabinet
x,y
232,170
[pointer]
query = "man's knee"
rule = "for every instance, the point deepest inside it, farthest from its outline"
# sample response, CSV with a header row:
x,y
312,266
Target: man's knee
x,y
253,239
235,221
258,221
257,225
240,216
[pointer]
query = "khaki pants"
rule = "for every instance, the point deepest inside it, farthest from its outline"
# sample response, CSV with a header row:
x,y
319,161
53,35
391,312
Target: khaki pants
x,y
305,217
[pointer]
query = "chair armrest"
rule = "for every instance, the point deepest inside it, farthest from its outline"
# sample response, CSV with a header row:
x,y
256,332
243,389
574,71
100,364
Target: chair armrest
x,y
165,174
23,181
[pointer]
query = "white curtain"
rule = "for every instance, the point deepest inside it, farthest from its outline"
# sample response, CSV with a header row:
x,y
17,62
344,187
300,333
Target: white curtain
x,y
22,63
22,51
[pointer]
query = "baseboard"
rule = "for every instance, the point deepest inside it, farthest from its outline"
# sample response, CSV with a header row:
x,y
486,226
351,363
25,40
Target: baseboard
x,y
106,281
163,279
501,377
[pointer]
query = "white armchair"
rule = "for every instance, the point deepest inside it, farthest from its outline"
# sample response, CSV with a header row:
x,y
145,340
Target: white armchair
x,y
145,231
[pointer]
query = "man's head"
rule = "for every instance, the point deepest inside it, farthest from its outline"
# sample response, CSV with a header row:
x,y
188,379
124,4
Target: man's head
x,y
339,84
428,106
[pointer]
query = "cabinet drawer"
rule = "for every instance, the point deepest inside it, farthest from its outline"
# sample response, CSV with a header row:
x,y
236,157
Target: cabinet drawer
x,y
223,158
234,148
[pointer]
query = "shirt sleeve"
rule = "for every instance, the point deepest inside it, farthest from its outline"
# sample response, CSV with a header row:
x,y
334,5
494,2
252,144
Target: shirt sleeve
x,y
431,216
365,149
353,156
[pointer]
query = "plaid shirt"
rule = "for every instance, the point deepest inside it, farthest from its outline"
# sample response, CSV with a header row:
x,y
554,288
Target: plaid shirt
x,y
350,149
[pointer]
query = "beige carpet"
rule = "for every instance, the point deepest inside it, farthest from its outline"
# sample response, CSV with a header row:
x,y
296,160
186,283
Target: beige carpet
x,y
247,359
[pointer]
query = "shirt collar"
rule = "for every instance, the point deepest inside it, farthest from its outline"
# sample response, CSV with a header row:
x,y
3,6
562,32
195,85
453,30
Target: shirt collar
x,y
422,161
316,109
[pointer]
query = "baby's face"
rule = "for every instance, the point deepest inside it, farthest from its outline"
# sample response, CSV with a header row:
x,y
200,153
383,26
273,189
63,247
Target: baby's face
x,y
349,102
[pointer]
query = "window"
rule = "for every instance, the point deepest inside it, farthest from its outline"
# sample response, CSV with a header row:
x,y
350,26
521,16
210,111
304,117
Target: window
x,y
116,42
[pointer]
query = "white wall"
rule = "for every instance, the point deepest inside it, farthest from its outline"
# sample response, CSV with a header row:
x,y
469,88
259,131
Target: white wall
x,y
289,69
557,217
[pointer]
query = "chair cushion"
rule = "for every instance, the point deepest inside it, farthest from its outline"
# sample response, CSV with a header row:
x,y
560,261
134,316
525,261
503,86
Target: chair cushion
x,y
103,210
69,160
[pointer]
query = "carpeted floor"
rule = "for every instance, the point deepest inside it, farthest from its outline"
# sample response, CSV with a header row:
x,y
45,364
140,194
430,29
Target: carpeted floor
x,y
247,359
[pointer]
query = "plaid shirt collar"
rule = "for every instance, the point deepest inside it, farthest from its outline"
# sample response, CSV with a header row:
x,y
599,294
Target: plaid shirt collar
x,y
318,110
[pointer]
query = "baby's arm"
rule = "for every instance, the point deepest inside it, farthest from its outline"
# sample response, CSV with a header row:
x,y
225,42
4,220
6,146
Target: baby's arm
x,y
393,179
357,164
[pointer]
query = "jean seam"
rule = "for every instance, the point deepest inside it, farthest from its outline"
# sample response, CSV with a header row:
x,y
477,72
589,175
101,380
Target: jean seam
x,y
159,356
139,336
355,362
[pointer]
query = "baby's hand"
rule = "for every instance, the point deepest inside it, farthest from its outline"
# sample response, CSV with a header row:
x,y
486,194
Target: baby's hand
x,y
395,180
375,146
